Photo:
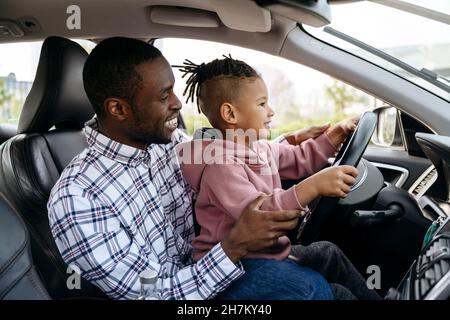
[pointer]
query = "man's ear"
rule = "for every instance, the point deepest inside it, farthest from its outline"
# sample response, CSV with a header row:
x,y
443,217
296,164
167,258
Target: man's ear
x,y
117,109
228,113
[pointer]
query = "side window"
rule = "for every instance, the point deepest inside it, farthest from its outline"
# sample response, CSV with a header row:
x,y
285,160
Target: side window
x,y
18,65
300,96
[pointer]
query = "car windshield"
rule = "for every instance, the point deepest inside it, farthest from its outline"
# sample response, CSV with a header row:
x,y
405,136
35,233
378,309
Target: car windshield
x,y
410,38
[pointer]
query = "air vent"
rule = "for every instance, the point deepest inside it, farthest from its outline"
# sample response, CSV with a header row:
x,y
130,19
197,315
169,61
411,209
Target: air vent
x,y
424,182
22,27
10,29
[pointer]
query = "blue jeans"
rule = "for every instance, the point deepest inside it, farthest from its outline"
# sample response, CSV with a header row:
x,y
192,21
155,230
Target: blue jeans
x,y
266,279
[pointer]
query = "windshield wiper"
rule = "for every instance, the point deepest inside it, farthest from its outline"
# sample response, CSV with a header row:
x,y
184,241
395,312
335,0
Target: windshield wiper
x,y
435,76
425,74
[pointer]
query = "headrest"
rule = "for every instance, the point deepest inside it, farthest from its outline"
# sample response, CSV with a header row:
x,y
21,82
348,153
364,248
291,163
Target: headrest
x,y
57,97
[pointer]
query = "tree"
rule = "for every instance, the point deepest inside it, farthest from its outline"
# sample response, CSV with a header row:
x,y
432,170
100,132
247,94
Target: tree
x,y
343,95
282,98
5,96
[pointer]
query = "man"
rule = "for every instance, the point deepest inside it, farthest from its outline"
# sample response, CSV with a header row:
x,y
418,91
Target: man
x,y
121,206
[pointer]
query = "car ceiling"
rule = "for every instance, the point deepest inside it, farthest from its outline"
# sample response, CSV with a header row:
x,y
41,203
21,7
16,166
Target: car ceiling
x,y
101,18
263,31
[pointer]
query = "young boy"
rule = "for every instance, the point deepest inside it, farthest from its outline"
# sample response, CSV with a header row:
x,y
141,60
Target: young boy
x,y
238,164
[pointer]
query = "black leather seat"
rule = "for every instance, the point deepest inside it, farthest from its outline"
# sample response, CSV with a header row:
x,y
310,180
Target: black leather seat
x,y
7,131
49,136
18,277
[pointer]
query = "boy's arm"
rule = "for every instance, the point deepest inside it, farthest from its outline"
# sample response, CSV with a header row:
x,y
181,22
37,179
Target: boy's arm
x,y
297,137
304,159
230,190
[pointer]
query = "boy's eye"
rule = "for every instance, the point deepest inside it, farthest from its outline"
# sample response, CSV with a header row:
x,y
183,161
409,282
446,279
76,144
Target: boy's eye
x,y
262,104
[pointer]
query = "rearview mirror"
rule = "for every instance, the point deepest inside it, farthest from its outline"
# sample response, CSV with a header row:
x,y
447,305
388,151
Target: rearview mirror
x,y
387,132
315,13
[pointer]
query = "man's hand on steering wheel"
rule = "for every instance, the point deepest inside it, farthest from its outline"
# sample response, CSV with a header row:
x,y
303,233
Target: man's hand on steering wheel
x,y
340,131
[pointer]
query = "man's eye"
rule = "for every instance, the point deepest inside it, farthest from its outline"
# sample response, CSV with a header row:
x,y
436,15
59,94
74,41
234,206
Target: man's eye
x,y
165,98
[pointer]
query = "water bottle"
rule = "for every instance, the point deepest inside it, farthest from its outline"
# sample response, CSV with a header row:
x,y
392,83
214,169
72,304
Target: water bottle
x,y
148,279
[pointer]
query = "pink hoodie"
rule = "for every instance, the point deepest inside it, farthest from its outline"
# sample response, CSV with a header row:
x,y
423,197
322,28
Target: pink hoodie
x,y
228,176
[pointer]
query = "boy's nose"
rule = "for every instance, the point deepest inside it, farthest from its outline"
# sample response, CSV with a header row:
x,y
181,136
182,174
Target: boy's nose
x,y
271,112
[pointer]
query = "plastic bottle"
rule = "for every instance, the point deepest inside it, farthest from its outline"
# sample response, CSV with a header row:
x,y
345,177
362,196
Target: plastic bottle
x,y
148,279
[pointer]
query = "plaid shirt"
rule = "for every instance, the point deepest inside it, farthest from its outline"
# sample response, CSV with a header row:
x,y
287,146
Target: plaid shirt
x,y
117,210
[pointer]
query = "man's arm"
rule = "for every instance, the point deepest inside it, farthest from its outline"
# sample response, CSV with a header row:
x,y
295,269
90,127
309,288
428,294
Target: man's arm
x,y
258,229
337,133
90,235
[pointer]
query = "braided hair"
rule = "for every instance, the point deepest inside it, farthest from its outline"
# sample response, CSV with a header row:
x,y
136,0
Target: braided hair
x,y
200,73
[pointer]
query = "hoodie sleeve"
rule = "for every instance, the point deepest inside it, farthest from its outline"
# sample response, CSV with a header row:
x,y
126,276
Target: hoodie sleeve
x,y
304,159
229,189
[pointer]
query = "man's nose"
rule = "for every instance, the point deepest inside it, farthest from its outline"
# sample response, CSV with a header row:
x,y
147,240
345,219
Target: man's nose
x,y
176,103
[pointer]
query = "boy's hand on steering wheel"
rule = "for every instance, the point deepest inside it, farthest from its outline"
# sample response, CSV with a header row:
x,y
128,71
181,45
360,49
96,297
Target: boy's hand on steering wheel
x,y
339,132
304,134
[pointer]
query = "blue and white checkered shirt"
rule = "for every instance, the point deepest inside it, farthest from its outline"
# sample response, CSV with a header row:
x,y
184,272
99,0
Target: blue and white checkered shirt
x,y
117,210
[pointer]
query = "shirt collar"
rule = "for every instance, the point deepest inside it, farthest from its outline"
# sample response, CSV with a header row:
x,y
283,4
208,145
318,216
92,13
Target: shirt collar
x,y
112,149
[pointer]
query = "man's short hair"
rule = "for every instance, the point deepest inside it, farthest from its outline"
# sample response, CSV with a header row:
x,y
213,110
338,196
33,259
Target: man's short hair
x,y
110,70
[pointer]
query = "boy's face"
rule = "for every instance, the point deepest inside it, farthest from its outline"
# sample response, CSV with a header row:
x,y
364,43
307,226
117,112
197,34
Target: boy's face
x,y
252,108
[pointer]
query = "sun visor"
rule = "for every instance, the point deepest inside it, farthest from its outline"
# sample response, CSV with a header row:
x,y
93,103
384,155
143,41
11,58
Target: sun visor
x,y
234,14
184,17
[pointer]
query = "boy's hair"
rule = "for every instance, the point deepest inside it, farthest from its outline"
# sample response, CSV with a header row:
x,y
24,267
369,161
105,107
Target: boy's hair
x,y
215,82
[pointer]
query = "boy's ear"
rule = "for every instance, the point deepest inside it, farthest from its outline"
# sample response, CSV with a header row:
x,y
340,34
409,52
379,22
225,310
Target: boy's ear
x,y
118,109
228,113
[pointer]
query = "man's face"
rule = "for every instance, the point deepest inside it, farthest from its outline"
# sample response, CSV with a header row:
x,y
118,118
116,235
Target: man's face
x,y
155,106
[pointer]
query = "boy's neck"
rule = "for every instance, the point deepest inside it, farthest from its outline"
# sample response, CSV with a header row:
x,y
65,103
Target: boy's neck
x,y
231,134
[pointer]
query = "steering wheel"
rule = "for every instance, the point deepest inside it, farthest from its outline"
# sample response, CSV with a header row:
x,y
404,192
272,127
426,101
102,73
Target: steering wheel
x,y
350,154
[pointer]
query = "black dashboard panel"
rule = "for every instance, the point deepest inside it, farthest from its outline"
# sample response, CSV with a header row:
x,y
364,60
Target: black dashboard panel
x,y
437,149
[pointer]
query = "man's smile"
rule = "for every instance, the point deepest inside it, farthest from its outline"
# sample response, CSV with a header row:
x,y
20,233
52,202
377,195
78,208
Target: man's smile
x,y
171,124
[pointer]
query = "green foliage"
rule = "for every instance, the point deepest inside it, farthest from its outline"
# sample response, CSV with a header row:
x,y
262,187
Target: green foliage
x,y
344,95
4,95
303,123
16,108
194,122
7,99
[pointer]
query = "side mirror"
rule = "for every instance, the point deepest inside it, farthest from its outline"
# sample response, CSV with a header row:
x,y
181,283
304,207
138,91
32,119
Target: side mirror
x,y
315,13
387,133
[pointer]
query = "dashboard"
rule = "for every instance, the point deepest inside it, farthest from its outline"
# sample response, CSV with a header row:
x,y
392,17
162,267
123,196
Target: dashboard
x,y
429,276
